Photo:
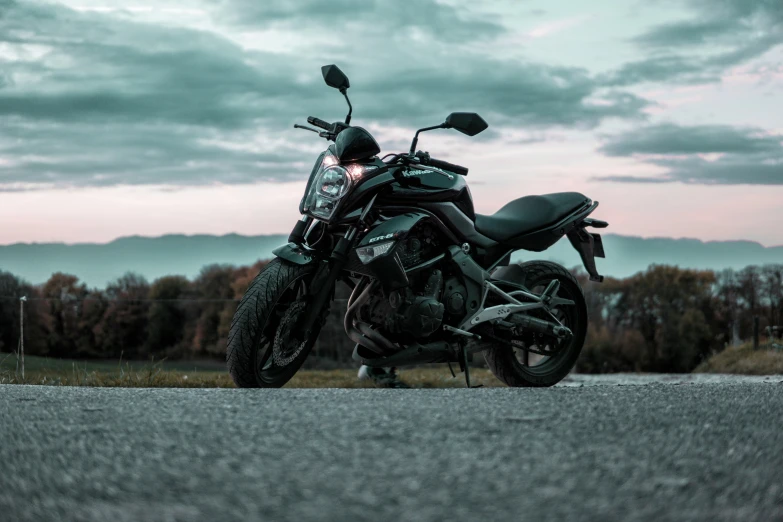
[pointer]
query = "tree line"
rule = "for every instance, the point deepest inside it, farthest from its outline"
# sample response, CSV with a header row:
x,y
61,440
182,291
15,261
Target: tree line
x,y
664,319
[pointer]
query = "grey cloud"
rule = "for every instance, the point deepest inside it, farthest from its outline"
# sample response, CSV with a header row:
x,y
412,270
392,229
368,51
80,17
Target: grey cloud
x,y
729,171
505,93
439,21
662,69
73,154
136,72
139,103
698,139
683,51
747,155
718,20
692,32
117,101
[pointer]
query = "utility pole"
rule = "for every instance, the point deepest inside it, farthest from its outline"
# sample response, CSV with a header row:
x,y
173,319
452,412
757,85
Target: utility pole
x,y
755,332
21,330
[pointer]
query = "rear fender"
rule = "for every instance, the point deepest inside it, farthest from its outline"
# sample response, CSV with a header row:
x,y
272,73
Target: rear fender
x,y
588,244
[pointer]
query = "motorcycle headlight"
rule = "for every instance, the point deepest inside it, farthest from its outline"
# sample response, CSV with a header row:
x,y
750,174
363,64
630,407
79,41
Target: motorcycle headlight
x,y
328,187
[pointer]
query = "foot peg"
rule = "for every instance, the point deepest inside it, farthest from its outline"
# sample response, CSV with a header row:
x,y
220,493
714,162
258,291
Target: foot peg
x,y
551,291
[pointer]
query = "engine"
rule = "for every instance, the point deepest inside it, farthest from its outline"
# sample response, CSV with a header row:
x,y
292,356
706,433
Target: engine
x,y
415,310
432,295
422,244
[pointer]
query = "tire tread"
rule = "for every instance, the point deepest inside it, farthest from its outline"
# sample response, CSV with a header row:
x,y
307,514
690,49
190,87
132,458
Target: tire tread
x,y
256,304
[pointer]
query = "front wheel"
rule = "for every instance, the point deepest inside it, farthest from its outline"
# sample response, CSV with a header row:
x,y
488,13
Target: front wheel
x,y
264,349
519,367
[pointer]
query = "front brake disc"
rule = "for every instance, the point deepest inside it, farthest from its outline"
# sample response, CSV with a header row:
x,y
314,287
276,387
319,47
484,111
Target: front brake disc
x,y
287,346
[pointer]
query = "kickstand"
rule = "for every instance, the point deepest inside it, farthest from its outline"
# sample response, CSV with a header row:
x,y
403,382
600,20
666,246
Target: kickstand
x,y
451,370
463,362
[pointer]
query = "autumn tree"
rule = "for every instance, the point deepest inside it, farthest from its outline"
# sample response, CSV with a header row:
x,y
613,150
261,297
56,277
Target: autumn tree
x,y
216,306
122,330
167,316
63,321
772,292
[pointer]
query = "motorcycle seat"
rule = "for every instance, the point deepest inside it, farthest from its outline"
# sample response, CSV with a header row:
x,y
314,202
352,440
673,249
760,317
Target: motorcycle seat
x,y
529,214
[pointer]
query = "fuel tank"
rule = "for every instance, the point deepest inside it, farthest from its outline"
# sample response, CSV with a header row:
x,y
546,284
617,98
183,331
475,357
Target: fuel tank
x,y
424,186
396,187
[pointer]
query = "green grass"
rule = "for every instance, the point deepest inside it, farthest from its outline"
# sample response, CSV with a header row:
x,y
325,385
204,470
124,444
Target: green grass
x,y
744,360
181,374
34,363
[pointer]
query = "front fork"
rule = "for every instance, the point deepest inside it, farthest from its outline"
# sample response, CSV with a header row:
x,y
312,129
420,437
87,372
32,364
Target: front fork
x,y
329,271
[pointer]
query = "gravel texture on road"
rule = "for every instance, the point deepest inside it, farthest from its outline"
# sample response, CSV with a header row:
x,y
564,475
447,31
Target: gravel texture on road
x,y
647,450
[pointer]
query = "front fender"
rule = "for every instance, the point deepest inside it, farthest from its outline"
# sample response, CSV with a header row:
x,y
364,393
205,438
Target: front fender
x,y
296,254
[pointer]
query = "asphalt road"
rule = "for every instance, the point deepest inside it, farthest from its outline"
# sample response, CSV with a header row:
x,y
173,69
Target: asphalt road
x,y
595,452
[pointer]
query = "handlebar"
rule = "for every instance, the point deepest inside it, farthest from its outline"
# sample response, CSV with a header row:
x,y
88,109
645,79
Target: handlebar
x,y
451,167
423,157
440,164
312,120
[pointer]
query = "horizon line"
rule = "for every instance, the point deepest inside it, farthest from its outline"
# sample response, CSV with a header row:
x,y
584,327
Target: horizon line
x,y
283,234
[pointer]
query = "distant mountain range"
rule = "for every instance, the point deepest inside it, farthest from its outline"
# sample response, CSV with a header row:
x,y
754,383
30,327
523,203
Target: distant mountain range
x,y
153,257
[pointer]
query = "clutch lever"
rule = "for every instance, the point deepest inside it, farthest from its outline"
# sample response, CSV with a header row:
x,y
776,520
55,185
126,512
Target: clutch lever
x,y
324,134
297,126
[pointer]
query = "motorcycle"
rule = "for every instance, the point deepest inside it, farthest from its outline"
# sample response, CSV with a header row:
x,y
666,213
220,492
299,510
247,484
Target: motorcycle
x,y
431,280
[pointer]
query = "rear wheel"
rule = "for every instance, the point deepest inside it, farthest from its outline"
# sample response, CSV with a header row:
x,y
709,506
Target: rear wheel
x,y
264,349
517,366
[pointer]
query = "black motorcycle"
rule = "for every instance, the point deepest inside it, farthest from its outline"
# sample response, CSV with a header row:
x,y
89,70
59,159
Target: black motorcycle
x,y
431,280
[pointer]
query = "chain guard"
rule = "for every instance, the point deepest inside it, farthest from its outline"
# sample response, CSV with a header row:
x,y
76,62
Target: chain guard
x,y
511,343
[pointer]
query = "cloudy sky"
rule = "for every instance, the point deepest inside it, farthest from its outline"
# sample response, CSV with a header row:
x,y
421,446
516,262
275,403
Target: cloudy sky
x,y
175,116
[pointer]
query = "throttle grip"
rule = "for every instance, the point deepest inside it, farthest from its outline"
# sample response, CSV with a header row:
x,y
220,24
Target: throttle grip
x,y
451,167
312,120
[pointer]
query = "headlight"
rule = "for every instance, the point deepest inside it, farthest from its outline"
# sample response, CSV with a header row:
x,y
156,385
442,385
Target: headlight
x,y
370,252
329,186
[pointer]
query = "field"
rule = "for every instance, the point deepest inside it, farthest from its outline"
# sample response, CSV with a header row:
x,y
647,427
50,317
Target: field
x,y
205,374
741,360
744,360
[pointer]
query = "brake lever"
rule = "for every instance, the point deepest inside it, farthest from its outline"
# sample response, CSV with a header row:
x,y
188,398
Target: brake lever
x,y
297,126
324,134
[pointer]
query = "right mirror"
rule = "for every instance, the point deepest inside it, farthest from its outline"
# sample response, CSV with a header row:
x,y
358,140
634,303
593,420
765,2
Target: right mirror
x,y
468,123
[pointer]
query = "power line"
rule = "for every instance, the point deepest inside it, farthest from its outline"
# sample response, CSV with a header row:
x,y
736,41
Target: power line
x,y
116,300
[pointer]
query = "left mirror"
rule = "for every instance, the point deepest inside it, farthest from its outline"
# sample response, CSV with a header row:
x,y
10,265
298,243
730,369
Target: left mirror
x,y
334,77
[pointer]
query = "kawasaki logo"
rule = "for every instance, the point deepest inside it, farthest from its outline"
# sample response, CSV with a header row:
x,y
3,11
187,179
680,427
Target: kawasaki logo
x,y
411,174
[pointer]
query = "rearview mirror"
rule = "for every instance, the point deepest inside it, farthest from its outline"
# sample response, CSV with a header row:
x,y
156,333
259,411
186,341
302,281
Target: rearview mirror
x,y
468,123
334,77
